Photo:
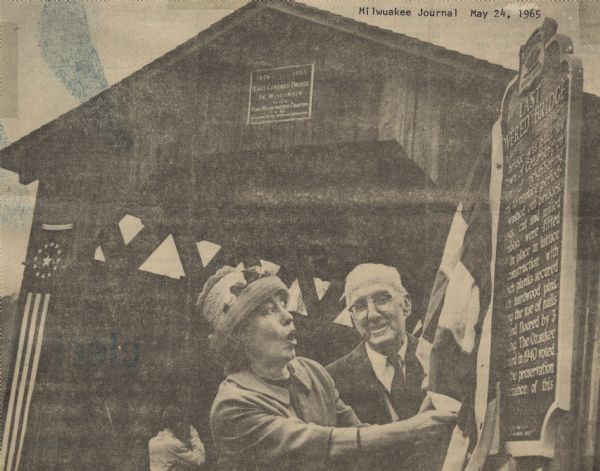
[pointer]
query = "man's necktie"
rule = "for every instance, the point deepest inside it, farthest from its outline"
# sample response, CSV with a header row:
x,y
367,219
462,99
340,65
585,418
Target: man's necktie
x,y
398,383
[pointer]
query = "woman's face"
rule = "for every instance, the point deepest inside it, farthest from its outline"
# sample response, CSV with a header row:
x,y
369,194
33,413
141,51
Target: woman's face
x,y
270,336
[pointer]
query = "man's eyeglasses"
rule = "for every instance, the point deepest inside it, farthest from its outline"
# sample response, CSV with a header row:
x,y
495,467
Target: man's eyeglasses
x,y
379,301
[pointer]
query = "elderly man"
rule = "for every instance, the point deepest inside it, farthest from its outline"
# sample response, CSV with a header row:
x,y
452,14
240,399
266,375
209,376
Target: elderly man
x,y
381,378
276,411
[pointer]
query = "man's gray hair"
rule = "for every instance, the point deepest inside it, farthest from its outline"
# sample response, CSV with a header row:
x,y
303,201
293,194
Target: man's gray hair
x,y
371,273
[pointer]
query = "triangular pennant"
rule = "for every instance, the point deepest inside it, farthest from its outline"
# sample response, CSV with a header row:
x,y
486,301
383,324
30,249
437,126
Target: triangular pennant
x,y
269,266
164,260
207,251
321,286
130,227
99,254
295,301
344,319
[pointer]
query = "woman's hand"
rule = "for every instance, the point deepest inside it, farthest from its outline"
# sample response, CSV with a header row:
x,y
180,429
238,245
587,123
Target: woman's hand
x,y
429,423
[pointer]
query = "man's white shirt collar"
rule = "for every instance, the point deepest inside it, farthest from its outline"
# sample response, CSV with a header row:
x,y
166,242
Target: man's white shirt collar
x,y
384,371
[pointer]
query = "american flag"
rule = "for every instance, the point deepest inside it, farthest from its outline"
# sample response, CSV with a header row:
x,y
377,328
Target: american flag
x,y
460,302
49,254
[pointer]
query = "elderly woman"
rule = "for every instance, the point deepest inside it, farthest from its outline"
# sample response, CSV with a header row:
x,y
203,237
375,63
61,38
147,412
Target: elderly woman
x,y
276,411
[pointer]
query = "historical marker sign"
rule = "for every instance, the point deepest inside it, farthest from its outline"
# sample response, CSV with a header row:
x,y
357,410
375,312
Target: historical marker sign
x,y
280,94
534,288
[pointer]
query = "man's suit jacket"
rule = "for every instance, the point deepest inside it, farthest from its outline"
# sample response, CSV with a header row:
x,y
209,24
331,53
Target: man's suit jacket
x,y
359,387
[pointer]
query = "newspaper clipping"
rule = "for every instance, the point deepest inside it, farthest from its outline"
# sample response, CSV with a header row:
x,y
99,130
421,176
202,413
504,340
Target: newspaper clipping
x,y
318,235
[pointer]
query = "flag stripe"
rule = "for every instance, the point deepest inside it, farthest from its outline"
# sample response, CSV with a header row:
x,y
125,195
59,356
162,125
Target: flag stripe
x,y
461,310
434,307
459,443
23,382
452,252
36,360
13,388
485,400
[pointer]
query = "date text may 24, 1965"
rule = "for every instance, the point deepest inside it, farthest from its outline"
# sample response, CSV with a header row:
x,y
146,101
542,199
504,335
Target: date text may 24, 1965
x,y
531,13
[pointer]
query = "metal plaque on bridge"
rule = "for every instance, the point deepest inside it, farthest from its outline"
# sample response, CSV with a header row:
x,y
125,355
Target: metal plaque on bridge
x,y
534,293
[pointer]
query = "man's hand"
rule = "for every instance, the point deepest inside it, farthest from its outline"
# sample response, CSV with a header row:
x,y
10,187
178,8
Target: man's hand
x,y
432,422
